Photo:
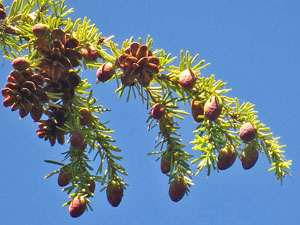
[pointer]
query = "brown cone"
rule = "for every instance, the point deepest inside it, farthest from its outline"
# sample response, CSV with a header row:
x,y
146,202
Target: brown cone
x,y
157,111
105,72
64,178
212,108
86,116
40,30
114,193
197,110
249,157
77,139
247,132
77,206
165,164
20,63
177,189
226,158
187,79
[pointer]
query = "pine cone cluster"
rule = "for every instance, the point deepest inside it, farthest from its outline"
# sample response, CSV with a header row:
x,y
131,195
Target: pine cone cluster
x,y
24,90
139,64
27,85
60,57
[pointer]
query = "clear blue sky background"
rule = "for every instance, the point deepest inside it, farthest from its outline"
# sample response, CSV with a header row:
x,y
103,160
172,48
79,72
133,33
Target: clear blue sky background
x,y
253,45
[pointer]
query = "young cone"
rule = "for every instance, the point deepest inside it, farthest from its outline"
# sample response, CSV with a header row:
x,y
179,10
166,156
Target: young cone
x,y
92,186
2,14
20,63
40,30
105,72
247,132
86,116
64,178
157,111
77,206
197,110
212,108
177,189
249,157
226,158
165,164
114,193
77,139
187,79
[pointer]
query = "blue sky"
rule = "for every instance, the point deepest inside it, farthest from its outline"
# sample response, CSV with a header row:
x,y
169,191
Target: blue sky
x,y
252,45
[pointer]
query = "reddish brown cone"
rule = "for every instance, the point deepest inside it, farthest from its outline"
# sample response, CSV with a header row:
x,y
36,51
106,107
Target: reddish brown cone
x,y
20,63
226,158
64,178
247,132
212,108
90,53
105,72
157,111
77,139
114,193
249,157
2,14
77,206
86,116
165,164
177,189
197,110
40,30
92,186
187,79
